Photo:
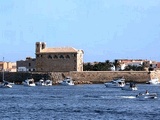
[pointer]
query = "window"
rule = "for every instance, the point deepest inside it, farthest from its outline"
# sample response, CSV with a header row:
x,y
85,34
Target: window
x,y
49,57
67,56
75,55
29,64
43,46
55,56
61,56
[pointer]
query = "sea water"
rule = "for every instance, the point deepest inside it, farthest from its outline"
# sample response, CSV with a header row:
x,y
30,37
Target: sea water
x,y
79,102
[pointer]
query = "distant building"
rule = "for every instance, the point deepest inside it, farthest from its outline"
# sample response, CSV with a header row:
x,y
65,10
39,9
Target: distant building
x,y
136,62
26,65
8,66
58,59
158,66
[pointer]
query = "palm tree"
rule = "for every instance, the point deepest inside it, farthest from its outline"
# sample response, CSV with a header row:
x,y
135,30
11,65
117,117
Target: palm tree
x,y
116,63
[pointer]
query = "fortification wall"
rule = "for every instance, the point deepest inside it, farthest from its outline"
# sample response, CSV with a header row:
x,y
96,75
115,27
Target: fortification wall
x,y
84,77
103,76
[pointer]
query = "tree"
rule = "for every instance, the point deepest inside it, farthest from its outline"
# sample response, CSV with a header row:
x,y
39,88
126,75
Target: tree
x,y
98,66
134,68
117,65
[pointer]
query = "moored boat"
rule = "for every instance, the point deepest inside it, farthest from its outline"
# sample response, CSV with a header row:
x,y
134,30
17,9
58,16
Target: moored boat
x,y
67,81
116,83
40,82
29,82
5,84
48,82
154,81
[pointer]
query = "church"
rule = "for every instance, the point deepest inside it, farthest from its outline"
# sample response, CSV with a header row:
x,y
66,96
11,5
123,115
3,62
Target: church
x,y
58,59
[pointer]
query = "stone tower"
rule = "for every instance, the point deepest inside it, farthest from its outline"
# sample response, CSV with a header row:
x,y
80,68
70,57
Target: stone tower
x,y
40,46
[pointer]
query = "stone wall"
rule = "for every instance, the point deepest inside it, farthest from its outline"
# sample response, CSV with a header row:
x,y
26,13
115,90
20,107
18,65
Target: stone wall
x,y
18,77
155,74
103,76
84,77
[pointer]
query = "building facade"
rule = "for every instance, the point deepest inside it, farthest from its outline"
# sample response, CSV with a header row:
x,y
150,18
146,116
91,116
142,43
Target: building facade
x,y
137,62
60,59
26,65
8,66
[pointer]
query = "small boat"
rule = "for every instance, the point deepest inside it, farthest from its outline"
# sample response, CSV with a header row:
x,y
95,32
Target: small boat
x,y
29,82
40,82
67,81
48,83
147,95
5,84
11,83
116,83
130,87
153,81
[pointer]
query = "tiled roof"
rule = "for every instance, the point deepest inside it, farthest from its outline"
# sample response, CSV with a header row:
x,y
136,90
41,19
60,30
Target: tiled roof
x,y
59,50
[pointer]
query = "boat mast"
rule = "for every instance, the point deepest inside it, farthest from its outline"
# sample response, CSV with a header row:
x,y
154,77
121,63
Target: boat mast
x,y
3,70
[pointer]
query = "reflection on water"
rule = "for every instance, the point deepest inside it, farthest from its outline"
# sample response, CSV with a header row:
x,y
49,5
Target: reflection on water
x,y
79,102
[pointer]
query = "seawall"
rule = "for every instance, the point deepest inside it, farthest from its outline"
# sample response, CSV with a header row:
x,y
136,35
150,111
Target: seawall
x,y
85,77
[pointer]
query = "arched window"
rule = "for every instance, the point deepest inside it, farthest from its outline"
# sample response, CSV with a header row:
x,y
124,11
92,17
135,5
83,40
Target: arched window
x,y
75,55
49,57
67,56
55,56
61,56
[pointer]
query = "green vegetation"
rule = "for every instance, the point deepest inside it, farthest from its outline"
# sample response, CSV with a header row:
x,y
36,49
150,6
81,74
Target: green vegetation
x,y
107,66
134,68
98,66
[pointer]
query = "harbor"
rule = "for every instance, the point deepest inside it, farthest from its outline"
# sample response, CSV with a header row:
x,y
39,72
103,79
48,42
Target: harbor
x,y
80,102
85,77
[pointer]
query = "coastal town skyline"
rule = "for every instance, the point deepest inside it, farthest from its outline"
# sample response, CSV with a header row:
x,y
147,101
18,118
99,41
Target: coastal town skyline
x,y
103,29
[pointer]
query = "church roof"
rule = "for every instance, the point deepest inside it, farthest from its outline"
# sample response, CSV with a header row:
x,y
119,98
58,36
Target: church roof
x,y
59,50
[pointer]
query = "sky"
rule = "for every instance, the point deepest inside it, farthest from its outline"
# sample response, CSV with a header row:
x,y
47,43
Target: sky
x,y
103,29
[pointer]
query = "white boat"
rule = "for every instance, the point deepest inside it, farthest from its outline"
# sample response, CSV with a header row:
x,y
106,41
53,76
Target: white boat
x,y
48,83
116,83
154,81
40,82
67,81
11,83
5,84
130,87
29,82
147,96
